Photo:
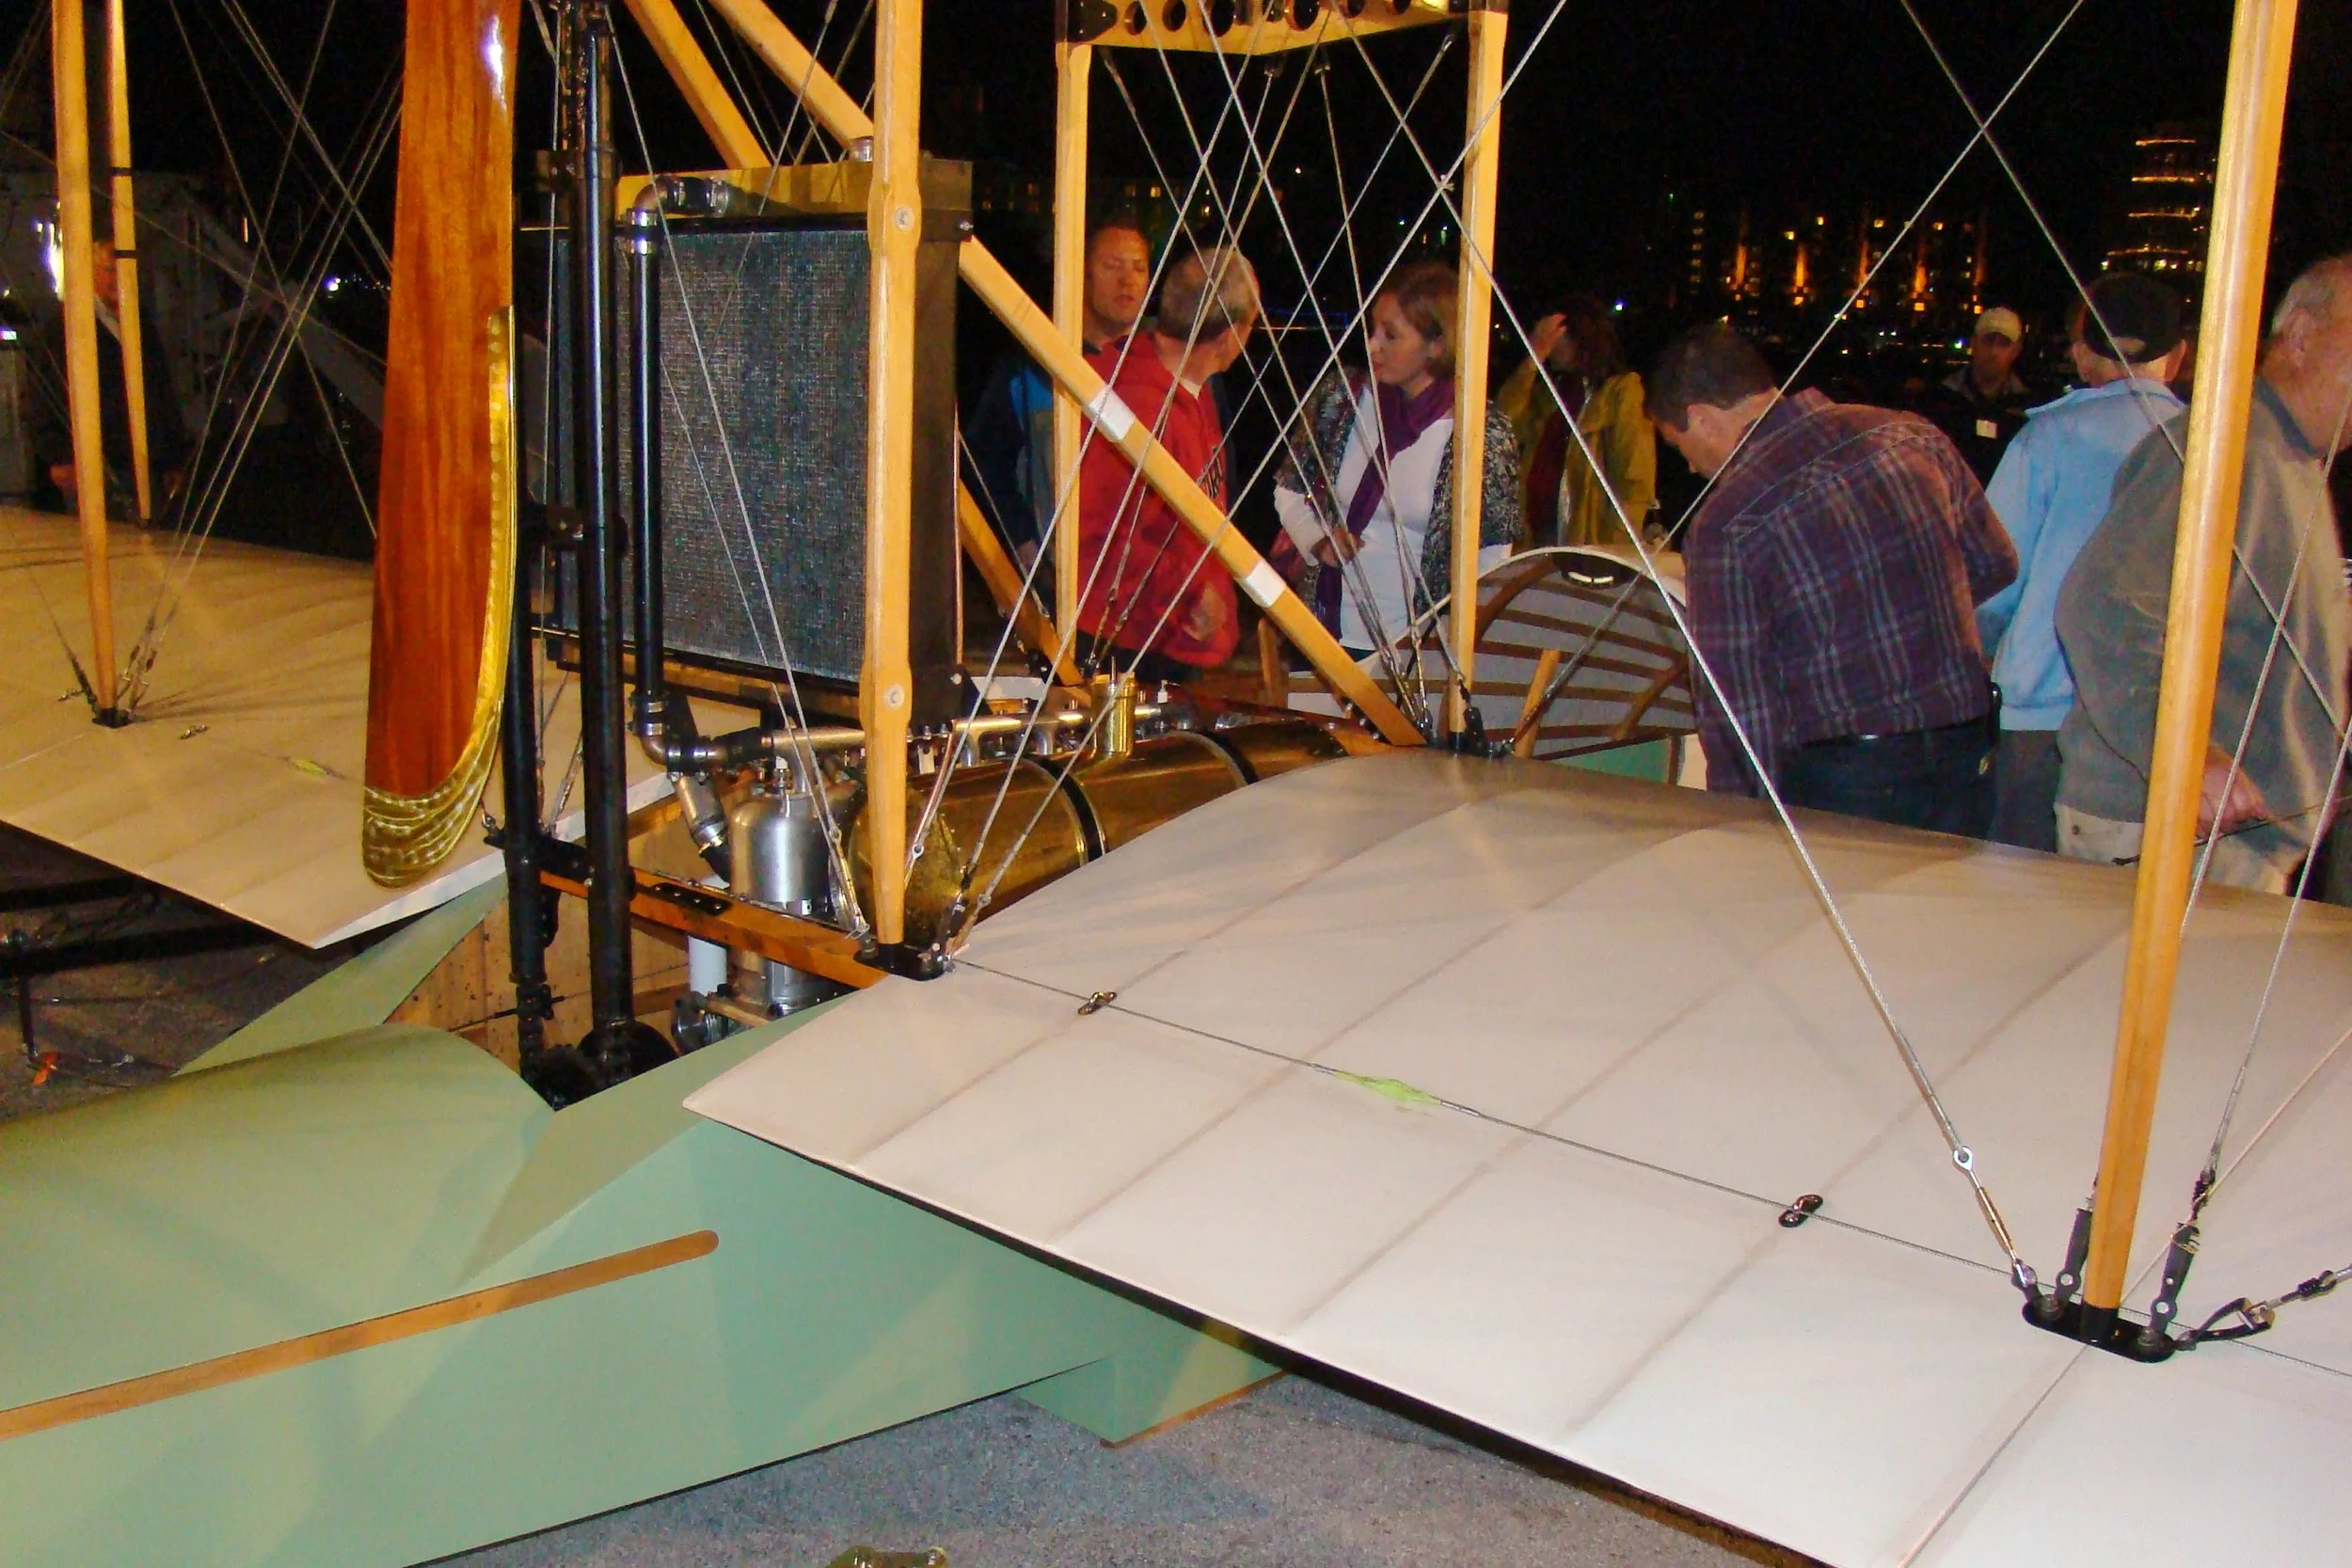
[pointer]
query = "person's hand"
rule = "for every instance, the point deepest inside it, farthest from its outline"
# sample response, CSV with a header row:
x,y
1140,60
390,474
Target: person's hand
x,y
2244,804
1336,546
1545,336
1206,621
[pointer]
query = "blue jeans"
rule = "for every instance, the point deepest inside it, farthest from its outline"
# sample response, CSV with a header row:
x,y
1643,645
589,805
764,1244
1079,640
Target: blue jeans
x,y
1940,779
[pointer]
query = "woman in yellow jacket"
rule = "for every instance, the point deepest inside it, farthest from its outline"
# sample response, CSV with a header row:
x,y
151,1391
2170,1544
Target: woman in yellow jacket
x,y
1563,501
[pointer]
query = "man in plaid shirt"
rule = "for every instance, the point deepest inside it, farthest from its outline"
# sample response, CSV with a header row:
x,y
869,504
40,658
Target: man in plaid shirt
x,y
1833,572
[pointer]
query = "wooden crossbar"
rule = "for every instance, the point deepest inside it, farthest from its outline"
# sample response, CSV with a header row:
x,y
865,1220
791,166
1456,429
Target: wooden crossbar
x,y
1243,27
716,915
220,1370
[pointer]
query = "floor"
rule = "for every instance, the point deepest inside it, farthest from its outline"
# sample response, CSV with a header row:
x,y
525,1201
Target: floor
x,y
97,1030
1300,1472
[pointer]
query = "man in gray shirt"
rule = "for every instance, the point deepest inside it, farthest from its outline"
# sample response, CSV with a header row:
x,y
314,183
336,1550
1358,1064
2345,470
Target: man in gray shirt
x,y
2111,618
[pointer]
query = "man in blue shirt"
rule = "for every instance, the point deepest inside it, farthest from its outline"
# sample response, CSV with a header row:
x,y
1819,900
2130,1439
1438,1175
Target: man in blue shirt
x,y
2051,490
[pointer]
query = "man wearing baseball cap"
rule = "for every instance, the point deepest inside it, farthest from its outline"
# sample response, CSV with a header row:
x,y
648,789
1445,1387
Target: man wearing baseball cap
x,y
1982,405
2051,489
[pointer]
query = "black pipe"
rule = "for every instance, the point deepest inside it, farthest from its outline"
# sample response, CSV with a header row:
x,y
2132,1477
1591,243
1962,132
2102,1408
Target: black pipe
x,y
642,231
615,1048
527,930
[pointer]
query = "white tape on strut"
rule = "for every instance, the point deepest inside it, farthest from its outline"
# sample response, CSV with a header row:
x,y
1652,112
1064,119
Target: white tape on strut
x,y
1264,584
1110,414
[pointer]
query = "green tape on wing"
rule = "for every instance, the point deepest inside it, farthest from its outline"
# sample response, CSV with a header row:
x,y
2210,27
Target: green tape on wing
x,y
1394,1089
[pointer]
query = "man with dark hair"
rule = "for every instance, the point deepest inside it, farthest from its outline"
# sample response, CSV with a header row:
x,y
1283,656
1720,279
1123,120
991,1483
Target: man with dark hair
x,y
2286,634
1152,589
1833,570
1011,433
2050,491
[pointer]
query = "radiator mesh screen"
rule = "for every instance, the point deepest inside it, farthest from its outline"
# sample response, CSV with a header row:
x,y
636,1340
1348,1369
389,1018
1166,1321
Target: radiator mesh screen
x,y
763,467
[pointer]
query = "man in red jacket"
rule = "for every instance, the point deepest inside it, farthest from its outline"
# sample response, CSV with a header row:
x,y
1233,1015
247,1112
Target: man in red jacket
x,y
1150,592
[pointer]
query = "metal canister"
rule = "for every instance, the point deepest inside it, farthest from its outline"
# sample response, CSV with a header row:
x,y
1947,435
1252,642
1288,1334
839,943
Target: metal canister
x,y
777,855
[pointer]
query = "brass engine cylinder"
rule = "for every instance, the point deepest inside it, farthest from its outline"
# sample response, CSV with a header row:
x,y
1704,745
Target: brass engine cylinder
x,y
1158,781
1058,843
1100,806
1270,750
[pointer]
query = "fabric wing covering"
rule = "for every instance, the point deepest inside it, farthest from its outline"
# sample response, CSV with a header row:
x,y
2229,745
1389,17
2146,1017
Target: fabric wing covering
x,y
1652,1045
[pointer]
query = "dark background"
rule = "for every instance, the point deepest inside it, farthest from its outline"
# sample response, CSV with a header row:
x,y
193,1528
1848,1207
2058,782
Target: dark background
x,y
1775,105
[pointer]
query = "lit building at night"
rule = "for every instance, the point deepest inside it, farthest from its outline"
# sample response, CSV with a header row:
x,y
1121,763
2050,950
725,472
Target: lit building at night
x,y
2170,204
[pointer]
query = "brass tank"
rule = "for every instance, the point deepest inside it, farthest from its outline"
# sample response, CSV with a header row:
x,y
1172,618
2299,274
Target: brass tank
x,y
1269,750
1157,781
1058,843
1102,805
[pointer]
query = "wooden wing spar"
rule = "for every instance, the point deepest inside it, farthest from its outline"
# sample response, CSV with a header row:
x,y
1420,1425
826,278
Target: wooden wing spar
x,y
445,550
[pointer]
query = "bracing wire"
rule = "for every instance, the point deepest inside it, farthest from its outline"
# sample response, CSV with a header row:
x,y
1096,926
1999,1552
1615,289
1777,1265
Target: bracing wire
x,y
1232,227
2210,1174
1261,387
770,149
1091,434
1408,566
2162,426
1352,572
1438,194
202,504
297,108
1360,581
1062,514
1543,30
798,726
1963,1156
2209,1177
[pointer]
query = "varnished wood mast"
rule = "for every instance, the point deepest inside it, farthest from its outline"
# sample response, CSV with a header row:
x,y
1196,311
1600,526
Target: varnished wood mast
x,y
1473,310
1074,75
894,230
125,228
451,279
2262,47
69,74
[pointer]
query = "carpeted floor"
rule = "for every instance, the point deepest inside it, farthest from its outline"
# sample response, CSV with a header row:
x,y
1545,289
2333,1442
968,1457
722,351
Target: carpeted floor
x,y
123,1023
1296,1475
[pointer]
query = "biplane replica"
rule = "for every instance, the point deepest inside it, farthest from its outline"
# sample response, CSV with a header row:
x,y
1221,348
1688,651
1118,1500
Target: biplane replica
x,y
886,1027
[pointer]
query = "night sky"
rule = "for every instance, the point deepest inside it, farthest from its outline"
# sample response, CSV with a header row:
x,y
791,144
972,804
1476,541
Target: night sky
x,y
1828,102
1834,100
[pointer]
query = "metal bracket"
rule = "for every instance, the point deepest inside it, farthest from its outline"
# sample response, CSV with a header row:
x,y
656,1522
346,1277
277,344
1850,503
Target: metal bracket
x,y
1801,1211
903,958
2177,1260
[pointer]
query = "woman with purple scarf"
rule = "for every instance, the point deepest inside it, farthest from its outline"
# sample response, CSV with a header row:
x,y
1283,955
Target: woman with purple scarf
x,y
1366,488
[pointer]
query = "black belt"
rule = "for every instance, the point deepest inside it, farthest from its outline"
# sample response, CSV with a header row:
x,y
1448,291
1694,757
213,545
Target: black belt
x,y
1975,728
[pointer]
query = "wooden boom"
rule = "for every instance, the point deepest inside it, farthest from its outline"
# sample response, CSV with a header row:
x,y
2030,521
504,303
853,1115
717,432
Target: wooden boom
x,y
125,228
894,229
1251,26
1473,309
69,64
2262,48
